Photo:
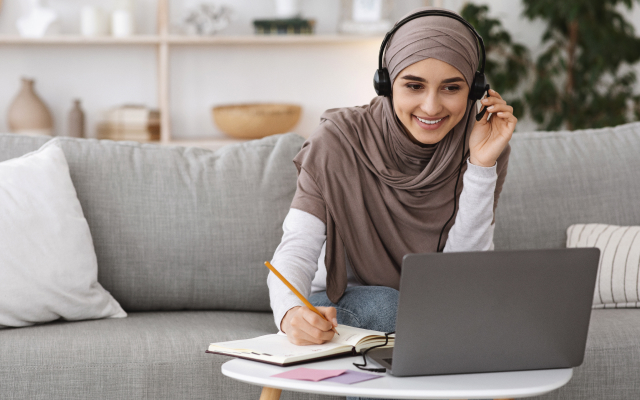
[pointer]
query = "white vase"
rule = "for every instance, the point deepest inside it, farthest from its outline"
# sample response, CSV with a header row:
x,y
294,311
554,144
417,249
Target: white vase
x,y
122,19
122,23
367,10
38,20
93,21
287,8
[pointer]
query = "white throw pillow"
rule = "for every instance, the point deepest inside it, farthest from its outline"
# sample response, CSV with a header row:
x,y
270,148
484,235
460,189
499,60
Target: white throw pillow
x,y
618,280
48,266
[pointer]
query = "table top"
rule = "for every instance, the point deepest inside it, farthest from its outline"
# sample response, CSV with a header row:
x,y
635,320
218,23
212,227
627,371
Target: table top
x,y
461,386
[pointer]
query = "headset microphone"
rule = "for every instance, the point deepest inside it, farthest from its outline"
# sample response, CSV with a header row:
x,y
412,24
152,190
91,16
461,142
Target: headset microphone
x,y
484,109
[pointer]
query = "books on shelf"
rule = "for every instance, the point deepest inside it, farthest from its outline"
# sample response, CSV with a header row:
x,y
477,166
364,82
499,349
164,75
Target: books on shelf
x,y
288,26
276,348
130,122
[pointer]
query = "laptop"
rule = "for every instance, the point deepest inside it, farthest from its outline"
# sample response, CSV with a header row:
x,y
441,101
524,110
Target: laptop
x,y
492,311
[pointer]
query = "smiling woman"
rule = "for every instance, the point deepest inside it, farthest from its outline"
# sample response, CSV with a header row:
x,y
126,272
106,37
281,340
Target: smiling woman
x,y
378,181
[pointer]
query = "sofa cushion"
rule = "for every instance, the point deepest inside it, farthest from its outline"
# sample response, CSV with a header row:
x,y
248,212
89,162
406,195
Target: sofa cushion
x,y
149,355
556,179
48,267
611,368
180,228
619,267
161,355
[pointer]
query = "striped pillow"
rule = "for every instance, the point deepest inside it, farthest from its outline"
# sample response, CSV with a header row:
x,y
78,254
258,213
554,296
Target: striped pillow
x,y
618,279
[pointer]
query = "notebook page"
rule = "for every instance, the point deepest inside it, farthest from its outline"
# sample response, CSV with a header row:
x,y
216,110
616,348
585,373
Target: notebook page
x,y
351,335
273,346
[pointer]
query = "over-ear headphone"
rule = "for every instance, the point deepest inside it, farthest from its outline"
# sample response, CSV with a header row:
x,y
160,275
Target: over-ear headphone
x,y
382,82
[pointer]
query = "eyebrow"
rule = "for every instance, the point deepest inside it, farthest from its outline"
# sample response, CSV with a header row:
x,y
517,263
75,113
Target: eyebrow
x,y
417,78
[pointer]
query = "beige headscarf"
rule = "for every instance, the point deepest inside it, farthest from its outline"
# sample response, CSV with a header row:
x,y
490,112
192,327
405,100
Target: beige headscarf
x,y
381,195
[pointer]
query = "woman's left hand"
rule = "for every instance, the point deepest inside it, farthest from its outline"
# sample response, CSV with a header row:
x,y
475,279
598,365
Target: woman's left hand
x,y
489,137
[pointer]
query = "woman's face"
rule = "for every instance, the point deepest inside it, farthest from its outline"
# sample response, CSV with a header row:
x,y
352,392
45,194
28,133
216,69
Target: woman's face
x,y
434,92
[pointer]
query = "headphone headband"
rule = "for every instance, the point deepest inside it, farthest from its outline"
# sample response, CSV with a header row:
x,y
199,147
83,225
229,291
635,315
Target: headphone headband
x,y
425,13
382,81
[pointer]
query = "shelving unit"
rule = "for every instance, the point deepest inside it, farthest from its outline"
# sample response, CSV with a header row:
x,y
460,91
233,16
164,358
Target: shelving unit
x,y
163,40
187,40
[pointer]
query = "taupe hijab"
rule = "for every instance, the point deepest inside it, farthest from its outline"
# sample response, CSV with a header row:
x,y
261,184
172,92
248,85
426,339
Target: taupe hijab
x,y
380,194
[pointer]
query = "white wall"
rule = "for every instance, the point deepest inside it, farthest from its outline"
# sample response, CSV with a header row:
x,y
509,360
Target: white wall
x,y
316,76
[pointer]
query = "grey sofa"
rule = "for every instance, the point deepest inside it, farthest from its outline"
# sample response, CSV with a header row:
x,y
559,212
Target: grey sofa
x,y
181,234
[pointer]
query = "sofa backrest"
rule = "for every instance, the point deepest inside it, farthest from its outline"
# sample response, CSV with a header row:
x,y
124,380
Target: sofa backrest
x,y
180,228
187,228
556,179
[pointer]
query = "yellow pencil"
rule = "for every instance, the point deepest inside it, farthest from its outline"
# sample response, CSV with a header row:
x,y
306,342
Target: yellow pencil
x,y
301,297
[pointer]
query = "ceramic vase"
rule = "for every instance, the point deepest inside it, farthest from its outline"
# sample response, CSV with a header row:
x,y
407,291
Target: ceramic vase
x,y
28,114
75,122
38,21
287,8
93,21
122,20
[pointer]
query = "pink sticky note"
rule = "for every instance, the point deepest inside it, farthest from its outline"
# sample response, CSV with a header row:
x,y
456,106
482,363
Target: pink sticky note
x,y
309,374
350,377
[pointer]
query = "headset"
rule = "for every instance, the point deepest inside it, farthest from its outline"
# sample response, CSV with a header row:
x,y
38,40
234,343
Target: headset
x,y
382,82
383,86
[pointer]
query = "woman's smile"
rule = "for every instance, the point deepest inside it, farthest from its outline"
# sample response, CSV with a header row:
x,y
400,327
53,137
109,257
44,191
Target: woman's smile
x,y
430,123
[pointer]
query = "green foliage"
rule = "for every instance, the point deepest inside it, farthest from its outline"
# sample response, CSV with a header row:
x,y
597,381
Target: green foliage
x,y
508,63
582,79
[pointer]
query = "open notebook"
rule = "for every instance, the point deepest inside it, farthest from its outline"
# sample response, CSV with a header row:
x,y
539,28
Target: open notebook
x,y
276,348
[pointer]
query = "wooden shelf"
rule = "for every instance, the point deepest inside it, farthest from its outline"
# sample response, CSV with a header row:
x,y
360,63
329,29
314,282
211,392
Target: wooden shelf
x,y
189,40
77,39
163,41
269,39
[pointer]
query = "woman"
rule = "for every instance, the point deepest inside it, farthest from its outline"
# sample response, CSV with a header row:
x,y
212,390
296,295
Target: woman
x,y
376,182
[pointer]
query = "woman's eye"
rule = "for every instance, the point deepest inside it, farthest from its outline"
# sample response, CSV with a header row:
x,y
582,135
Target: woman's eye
x,y
452,88
413,86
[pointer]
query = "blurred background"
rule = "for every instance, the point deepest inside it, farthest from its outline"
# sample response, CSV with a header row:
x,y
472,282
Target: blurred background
x,y
568,64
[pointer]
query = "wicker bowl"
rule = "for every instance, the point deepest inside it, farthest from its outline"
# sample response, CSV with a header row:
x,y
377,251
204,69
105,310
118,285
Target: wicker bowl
x,y
254,121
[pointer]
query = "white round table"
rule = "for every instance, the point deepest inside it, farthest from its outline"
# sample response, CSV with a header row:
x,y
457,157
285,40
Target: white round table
x,y
495,385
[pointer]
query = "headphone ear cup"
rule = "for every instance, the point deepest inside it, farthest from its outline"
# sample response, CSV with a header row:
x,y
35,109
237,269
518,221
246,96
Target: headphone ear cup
x,y
478,87
382,82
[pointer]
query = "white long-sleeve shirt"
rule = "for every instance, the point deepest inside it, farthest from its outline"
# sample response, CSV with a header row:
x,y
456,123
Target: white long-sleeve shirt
x,y
300,255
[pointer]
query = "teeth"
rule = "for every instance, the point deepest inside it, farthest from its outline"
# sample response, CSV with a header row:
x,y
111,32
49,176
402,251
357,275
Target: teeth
x,y
429,122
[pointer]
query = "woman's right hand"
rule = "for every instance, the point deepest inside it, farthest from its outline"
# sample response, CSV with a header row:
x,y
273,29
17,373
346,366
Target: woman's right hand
x,y
304,327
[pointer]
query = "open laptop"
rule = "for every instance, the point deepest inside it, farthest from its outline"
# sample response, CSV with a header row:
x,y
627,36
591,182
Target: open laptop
x,y
492,311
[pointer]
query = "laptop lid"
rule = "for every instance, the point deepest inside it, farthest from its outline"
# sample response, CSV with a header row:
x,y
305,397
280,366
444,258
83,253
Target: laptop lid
x,y
494,311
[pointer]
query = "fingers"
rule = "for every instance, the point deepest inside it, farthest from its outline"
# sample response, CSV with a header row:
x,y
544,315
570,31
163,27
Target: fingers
x,y
509,118
495,94
493,99
301,338
496,105
497,108
316,321
308,327
330,314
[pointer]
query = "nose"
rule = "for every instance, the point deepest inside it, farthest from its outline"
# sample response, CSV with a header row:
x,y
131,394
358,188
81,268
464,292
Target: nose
x,y
431,104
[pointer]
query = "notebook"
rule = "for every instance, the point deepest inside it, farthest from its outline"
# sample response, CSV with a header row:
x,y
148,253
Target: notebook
x,y
276,348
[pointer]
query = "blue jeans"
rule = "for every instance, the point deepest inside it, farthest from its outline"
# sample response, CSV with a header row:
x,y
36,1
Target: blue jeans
x,y
366,307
